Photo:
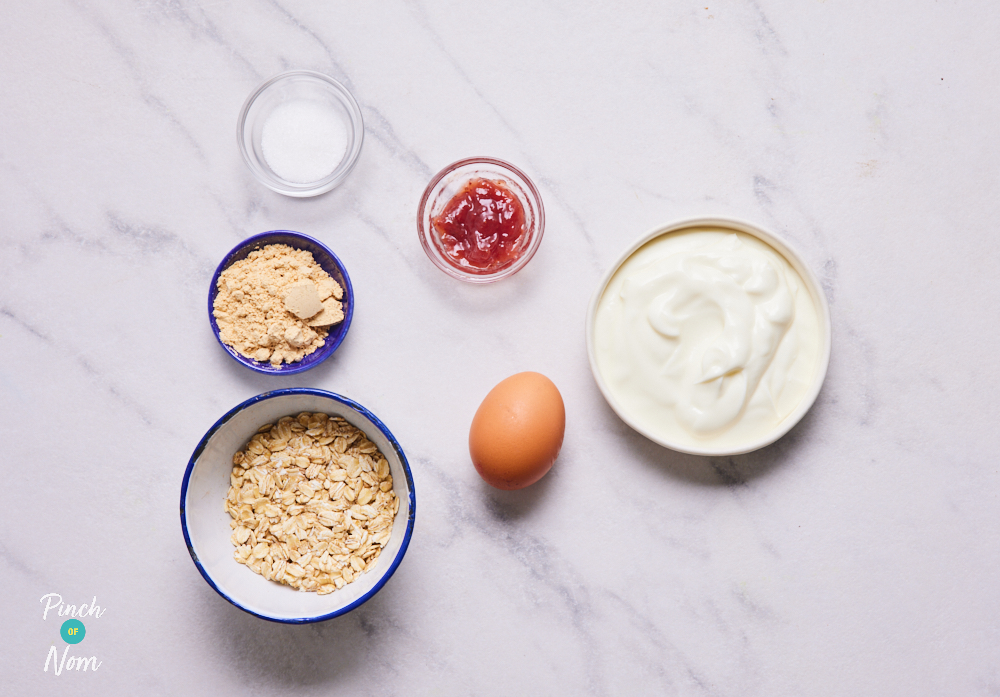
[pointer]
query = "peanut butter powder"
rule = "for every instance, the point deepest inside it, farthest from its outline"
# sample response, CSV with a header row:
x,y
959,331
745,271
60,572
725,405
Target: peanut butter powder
x,y
277,305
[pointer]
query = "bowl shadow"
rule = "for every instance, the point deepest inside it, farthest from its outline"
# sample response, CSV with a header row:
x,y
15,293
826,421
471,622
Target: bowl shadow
x,y
732,470
282,656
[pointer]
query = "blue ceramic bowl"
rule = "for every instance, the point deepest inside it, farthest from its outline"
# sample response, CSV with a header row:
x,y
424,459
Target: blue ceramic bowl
x,y
206,525
326,259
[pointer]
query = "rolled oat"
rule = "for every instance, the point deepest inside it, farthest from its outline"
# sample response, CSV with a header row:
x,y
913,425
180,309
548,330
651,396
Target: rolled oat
x,y
311,502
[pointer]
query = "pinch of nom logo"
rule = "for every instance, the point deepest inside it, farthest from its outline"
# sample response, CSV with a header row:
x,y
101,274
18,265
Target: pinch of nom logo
x,y
72,631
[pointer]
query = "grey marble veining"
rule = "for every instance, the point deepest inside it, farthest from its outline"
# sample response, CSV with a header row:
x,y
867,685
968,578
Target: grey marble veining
x,y
857,555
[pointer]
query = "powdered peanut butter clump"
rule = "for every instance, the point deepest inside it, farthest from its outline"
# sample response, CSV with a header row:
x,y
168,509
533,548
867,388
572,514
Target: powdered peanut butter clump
x,y
277,305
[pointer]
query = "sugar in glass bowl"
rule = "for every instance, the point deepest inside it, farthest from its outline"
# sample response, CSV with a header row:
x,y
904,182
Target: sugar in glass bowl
x,y
450,182
327,260
205,524
300,133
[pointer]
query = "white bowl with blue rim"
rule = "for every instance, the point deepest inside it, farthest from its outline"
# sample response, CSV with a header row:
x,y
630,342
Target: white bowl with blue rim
x,y
326,259
205,522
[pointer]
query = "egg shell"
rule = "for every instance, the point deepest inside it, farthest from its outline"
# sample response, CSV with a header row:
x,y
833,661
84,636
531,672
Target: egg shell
x,y
517,431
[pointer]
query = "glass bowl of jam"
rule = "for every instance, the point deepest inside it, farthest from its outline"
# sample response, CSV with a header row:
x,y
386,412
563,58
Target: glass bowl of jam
x,y
480,219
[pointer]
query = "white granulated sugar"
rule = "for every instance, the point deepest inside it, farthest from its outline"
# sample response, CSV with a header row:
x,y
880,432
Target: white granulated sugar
x,y
303,141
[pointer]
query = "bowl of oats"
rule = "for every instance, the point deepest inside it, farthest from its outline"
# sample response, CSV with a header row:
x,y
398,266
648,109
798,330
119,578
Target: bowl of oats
x,y
298,505
280,302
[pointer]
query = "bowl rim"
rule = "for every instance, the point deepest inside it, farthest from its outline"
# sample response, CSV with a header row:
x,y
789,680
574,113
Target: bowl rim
x,y
326,350
810,280
529,252
338,175
410,518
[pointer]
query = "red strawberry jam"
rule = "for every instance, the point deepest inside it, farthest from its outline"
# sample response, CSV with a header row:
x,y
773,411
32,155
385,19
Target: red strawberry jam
x,y
481,226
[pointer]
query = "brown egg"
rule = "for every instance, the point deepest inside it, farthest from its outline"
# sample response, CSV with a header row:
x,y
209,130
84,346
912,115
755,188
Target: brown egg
x,y
517,432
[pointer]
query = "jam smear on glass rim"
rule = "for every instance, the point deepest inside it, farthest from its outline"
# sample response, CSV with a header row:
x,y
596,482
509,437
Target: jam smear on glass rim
x,y
482,226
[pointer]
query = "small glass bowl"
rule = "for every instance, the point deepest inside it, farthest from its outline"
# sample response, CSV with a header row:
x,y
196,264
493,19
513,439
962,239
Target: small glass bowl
x,y
296,85
327,260
448,182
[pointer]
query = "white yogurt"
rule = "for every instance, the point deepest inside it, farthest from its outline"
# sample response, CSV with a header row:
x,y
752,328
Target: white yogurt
x,y
707,339
303,140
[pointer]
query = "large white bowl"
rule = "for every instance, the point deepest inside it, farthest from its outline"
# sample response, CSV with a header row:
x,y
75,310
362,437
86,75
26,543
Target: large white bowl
x,y
822,314
206,523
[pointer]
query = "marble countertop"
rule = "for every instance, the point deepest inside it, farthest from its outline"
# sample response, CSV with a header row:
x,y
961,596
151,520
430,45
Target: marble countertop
x,y
858,555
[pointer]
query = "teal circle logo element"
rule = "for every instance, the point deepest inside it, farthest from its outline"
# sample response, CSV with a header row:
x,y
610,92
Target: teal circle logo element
x,y
72,631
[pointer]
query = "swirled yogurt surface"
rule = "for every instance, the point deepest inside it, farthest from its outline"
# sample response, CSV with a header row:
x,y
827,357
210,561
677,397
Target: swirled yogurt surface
x,y
707,338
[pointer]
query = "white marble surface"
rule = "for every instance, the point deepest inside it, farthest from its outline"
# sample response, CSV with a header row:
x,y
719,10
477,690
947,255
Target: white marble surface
x,y
860,555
